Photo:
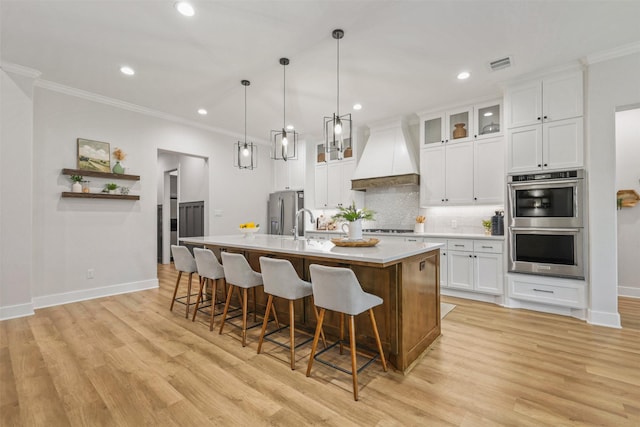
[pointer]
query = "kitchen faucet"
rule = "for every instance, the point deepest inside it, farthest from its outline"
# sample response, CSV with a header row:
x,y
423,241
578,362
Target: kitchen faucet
x,y
295,227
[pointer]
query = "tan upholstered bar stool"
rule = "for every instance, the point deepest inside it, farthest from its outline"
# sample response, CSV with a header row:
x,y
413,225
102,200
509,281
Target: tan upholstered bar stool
x,y
239,275
337,289
211,271
281,280
184,262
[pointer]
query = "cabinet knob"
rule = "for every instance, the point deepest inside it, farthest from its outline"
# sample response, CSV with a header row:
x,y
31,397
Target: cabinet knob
x,y
545,165
446,140
446,200
539,118
442,142
475,198
539,165
545,117
475,136
470,256
475,256
442,200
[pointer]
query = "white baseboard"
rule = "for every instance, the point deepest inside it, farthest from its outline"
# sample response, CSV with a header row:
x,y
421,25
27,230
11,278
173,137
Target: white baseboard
x,y
578,313
14,311
601,318
86,294
493,299
628,291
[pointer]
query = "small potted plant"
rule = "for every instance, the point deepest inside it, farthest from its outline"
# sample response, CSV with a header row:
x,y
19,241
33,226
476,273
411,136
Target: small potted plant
x,y
76,187
486,224
111,187
354,219
419,225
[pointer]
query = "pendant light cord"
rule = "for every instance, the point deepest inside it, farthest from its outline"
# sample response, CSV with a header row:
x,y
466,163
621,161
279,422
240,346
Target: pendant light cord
x,y
338,79
245,115
284,95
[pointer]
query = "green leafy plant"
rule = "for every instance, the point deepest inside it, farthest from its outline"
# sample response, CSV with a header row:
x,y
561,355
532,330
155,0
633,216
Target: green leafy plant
x,y
352,214
76,178
486,223
111,186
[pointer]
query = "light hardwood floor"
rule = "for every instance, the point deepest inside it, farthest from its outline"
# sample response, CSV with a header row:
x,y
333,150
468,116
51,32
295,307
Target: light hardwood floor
x,y
127,361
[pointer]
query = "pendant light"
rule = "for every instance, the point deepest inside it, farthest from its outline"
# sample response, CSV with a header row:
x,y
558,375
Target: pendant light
x,y
246,153
284,143
337,128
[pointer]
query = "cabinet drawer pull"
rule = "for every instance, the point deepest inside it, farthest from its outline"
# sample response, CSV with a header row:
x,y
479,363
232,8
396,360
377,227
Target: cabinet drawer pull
x,y
543,290
487,247
458,246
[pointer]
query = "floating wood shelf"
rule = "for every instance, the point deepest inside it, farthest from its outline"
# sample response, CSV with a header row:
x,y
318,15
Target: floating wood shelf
x,y
100,196
627,198
96,174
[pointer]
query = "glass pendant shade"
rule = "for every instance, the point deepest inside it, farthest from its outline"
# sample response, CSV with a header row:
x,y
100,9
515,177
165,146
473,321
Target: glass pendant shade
x,y
284,143
337,128
245,155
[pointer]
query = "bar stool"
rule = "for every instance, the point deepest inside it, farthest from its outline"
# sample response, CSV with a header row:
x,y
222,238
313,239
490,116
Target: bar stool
x,y
337,289
210,270
281,280
184,262
238,274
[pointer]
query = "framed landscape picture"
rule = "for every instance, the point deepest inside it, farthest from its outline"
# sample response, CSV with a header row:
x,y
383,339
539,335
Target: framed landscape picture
x,y
94,155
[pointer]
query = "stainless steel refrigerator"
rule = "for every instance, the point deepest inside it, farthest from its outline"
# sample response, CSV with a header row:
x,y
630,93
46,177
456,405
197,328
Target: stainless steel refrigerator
x,y
282,208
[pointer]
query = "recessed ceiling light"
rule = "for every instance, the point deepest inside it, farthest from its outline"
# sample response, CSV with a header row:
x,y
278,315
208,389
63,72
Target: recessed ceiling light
x,y
127,70
290,127
202,112
488,114
185,8
464,75
357,106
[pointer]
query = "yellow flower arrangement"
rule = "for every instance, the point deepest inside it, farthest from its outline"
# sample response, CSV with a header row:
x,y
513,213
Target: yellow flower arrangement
x,y
119,155
249,225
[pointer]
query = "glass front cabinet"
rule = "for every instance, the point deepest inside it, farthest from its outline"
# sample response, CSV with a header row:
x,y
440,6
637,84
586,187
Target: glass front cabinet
x,y
462,124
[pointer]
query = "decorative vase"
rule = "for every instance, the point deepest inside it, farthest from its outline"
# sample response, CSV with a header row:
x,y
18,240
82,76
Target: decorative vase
x,y
487,231
117,168
459,131
418,227
85,187
111,191
76,187
354,229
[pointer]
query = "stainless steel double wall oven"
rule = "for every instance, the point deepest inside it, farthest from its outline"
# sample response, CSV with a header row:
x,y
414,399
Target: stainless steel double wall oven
x,y
546,223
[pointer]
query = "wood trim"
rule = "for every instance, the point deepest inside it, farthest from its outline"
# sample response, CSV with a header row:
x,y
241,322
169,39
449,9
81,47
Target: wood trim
x,y
68,194
96,174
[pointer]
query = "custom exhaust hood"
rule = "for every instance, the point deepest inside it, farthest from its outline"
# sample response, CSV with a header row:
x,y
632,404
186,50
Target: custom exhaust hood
x,y
388,159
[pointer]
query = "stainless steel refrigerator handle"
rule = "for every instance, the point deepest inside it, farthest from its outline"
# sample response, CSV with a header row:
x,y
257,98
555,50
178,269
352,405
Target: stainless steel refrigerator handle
x,y
281,225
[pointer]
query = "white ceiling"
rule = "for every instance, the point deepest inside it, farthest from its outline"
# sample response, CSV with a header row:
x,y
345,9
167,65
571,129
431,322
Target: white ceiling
x,y
397,57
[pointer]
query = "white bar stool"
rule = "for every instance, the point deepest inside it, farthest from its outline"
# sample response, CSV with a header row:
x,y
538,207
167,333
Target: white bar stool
x,y
210,270
337,289
238,274
281,280
184,262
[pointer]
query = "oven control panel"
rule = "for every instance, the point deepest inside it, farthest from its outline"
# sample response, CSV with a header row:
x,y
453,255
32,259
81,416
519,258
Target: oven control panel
x,y
577,174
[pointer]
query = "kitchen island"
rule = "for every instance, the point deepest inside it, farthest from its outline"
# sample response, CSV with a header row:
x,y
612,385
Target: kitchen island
x,y
404,274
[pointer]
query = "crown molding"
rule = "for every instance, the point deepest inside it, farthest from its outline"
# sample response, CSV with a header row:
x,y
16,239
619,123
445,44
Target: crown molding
x,y
10,67
90,96
614,53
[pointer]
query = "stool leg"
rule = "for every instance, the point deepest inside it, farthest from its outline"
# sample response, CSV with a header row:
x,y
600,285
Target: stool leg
x,y
375,331
264,322
341,332
245,294
255,319
315,312
202,280
214,290
188,295
292,338
315,340
275,315
354,367
175,291
226,307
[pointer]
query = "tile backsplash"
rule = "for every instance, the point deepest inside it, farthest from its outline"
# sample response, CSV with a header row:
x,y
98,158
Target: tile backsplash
x,y
397,207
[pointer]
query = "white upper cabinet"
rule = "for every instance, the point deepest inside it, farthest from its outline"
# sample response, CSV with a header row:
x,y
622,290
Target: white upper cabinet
x,y
488,171
333,185
289,175
487,120
553,98
546,129
450,126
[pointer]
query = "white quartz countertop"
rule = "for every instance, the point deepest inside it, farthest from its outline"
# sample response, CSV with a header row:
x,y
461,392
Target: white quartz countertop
x,y
338,233
384,252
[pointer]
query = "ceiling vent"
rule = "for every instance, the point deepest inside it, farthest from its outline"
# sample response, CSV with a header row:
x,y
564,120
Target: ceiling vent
x,y
500,64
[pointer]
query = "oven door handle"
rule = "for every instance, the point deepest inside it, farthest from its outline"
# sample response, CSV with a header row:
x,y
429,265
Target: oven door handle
x,y
546,229
542,182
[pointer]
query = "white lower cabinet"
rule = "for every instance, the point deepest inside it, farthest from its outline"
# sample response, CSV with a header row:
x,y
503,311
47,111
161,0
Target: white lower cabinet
x,y
548,290
475,265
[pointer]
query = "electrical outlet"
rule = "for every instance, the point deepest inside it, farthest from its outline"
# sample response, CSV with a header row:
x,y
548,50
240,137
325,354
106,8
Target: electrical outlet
x,y
90,273
454,223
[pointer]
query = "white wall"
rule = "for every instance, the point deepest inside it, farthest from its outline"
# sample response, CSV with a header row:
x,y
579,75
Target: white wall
x,y
628,177
16,190
115,238
610,85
